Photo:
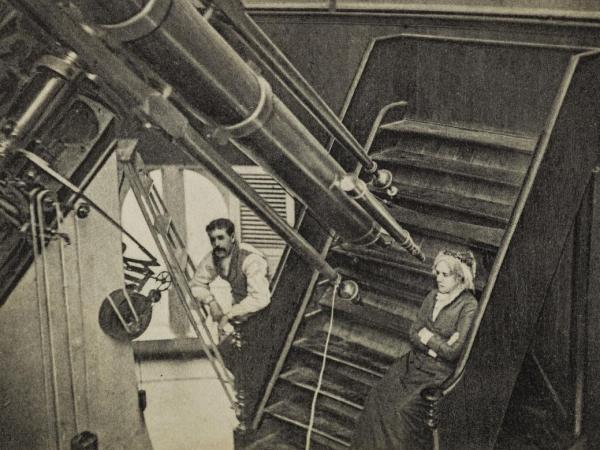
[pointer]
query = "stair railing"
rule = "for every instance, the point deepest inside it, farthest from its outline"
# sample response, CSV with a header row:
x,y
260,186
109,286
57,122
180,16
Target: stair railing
x,y
434,396
271,57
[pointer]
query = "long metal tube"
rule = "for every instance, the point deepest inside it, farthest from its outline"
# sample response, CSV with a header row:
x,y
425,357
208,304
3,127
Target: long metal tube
x,y
38,100
202,62
358,190
207,72
260,42
215,80
173,122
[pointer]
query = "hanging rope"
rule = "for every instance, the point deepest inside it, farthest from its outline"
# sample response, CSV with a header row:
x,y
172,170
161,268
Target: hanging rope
x,y
313,406
43,165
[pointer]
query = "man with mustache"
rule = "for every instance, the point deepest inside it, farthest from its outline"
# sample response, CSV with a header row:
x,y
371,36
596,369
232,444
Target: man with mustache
x,y
240,264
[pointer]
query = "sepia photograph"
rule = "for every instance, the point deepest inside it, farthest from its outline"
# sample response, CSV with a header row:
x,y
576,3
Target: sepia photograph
x,y
299,225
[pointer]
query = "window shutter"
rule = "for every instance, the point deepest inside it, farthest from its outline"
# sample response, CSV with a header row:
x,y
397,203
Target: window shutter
x,y
254,230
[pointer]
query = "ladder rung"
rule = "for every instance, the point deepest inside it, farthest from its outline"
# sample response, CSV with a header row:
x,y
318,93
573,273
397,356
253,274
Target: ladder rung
x,y
162,223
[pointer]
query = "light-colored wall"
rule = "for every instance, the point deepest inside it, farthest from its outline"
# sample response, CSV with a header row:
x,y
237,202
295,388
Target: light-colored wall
x,y
61,374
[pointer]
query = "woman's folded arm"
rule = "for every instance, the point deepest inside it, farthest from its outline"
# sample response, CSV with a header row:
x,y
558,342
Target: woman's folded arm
x,y
451,348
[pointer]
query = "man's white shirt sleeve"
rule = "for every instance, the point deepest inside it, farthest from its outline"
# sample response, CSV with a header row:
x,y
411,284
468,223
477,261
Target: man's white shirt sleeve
x,y
205,274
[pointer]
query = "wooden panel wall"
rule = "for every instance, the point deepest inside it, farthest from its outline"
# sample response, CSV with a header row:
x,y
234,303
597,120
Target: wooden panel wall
x,y
554,340
592,312
333,43
485,86
536,246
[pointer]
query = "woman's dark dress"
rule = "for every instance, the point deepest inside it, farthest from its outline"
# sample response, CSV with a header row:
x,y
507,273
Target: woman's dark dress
x,y
394,414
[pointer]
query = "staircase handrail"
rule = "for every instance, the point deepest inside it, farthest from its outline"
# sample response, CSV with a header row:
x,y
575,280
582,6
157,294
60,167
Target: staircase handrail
x,y
532,172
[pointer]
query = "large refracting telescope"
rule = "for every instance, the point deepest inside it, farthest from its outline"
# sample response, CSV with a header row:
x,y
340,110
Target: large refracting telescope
x,y
178,44
136,65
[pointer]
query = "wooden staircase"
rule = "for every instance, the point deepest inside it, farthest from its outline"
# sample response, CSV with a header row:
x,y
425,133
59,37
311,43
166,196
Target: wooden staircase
x,y
461,184
436,179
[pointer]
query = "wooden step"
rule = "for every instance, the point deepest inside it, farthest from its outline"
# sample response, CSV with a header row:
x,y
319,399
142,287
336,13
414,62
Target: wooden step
x,y
347,353
468,234
274,441
458,207
401,262
333,422
285,436
374,310
335,386
333,369
453,149
393,279
400,157
513,142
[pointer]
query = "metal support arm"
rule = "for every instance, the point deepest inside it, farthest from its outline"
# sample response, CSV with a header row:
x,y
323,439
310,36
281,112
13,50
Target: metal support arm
x,y
283,68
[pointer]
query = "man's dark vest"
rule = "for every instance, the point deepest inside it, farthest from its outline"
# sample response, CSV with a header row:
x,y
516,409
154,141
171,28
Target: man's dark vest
x,y
236,277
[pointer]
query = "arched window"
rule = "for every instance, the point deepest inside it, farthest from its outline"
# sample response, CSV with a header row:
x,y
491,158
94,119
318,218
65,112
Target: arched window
x,y
194,198
133,221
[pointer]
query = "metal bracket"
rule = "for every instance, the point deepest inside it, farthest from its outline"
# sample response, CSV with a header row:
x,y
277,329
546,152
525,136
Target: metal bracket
x,y
354,186
374,235
253,122
141,24
65,67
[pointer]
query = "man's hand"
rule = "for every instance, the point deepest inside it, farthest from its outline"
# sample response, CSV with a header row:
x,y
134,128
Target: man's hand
x,y
223,322
424,335
215,311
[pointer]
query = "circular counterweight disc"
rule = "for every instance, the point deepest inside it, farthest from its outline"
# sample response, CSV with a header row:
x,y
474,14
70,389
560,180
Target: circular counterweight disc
x,y
110,323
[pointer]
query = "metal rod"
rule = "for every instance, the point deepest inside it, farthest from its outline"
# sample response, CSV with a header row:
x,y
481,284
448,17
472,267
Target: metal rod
x,y
201,151
174,269
231,92
282,66
436,439
136,318
86,415
118,313
35,243
39,202
359,191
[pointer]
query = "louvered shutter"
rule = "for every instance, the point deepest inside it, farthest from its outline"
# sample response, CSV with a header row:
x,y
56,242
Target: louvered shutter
x,y
254,230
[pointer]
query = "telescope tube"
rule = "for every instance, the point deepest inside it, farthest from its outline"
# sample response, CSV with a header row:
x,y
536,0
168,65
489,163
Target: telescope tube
x,y
180,46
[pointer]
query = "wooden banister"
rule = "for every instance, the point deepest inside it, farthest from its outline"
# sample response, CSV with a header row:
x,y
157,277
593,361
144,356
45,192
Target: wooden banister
x,y
529,253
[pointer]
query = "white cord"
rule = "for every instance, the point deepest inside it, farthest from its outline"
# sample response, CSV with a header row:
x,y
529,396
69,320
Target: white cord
x,y
313,407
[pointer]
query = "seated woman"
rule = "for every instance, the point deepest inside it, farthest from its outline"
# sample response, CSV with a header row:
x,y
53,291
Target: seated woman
x,y
394,414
